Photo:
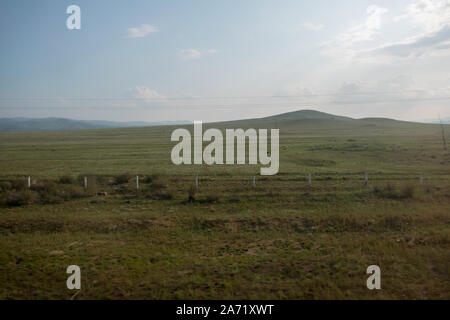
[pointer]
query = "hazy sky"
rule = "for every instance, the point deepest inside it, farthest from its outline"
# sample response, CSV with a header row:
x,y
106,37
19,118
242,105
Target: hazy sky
x,y
219,60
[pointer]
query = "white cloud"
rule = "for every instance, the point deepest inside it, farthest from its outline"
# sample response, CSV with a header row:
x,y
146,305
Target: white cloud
x,y
427,43
428,14
364,31
313,27
145,93
431,19
189,54
373,22
342,45
141,31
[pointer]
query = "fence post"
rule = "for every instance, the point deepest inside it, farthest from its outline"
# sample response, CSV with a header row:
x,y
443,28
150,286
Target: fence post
x,y
85,182
421,177
366,179
196,181
137,182
309,179
254,182
29,182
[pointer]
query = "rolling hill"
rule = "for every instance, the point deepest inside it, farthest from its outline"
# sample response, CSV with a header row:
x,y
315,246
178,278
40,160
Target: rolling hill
x,y
308,139
284,120
56,124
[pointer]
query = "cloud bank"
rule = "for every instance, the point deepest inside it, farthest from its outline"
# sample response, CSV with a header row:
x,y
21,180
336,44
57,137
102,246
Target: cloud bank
x,y
142,31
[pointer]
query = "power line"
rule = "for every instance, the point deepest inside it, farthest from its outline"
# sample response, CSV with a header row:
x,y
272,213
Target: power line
x,y
252,104
219,97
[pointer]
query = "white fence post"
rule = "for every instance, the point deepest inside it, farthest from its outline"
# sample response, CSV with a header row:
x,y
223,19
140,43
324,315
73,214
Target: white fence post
x,y
137,182
85,182
366,178
309,179
29,182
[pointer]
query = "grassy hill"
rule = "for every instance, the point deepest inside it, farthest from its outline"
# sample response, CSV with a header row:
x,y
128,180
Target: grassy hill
x,y
228,239
58,124
310,141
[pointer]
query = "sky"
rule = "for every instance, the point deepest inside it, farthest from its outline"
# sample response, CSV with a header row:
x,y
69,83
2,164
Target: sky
x,y
222,60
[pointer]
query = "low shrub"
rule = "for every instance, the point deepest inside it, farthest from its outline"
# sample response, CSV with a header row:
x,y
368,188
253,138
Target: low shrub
x,y
5,186
123,189
210,198
69,192
44,186
191,194
157,186
158,190
20,198
122,178
391,192
407,191
49,198
47,191
162,195
50,192
150,178
66,179
42,192
102,179
18,184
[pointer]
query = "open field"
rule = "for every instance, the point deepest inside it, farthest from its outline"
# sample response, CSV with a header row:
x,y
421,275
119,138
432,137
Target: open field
x,y
280,239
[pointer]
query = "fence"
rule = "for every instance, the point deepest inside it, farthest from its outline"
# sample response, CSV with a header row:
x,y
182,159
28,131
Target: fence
x,y
308,178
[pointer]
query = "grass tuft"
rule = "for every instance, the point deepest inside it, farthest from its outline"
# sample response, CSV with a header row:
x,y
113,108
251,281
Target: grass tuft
x,y
122,178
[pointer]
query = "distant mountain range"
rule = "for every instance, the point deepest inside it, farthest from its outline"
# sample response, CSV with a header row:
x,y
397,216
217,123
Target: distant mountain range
x,y
304,117
56,124
443,120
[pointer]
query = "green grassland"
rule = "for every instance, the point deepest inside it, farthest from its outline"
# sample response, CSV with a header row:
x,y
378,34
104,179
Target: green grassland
x,y
283,239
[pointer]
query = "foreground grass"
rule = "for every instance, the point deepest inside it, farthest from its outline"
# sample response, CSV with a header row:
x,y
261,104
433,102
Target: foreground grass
x,y
305,242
